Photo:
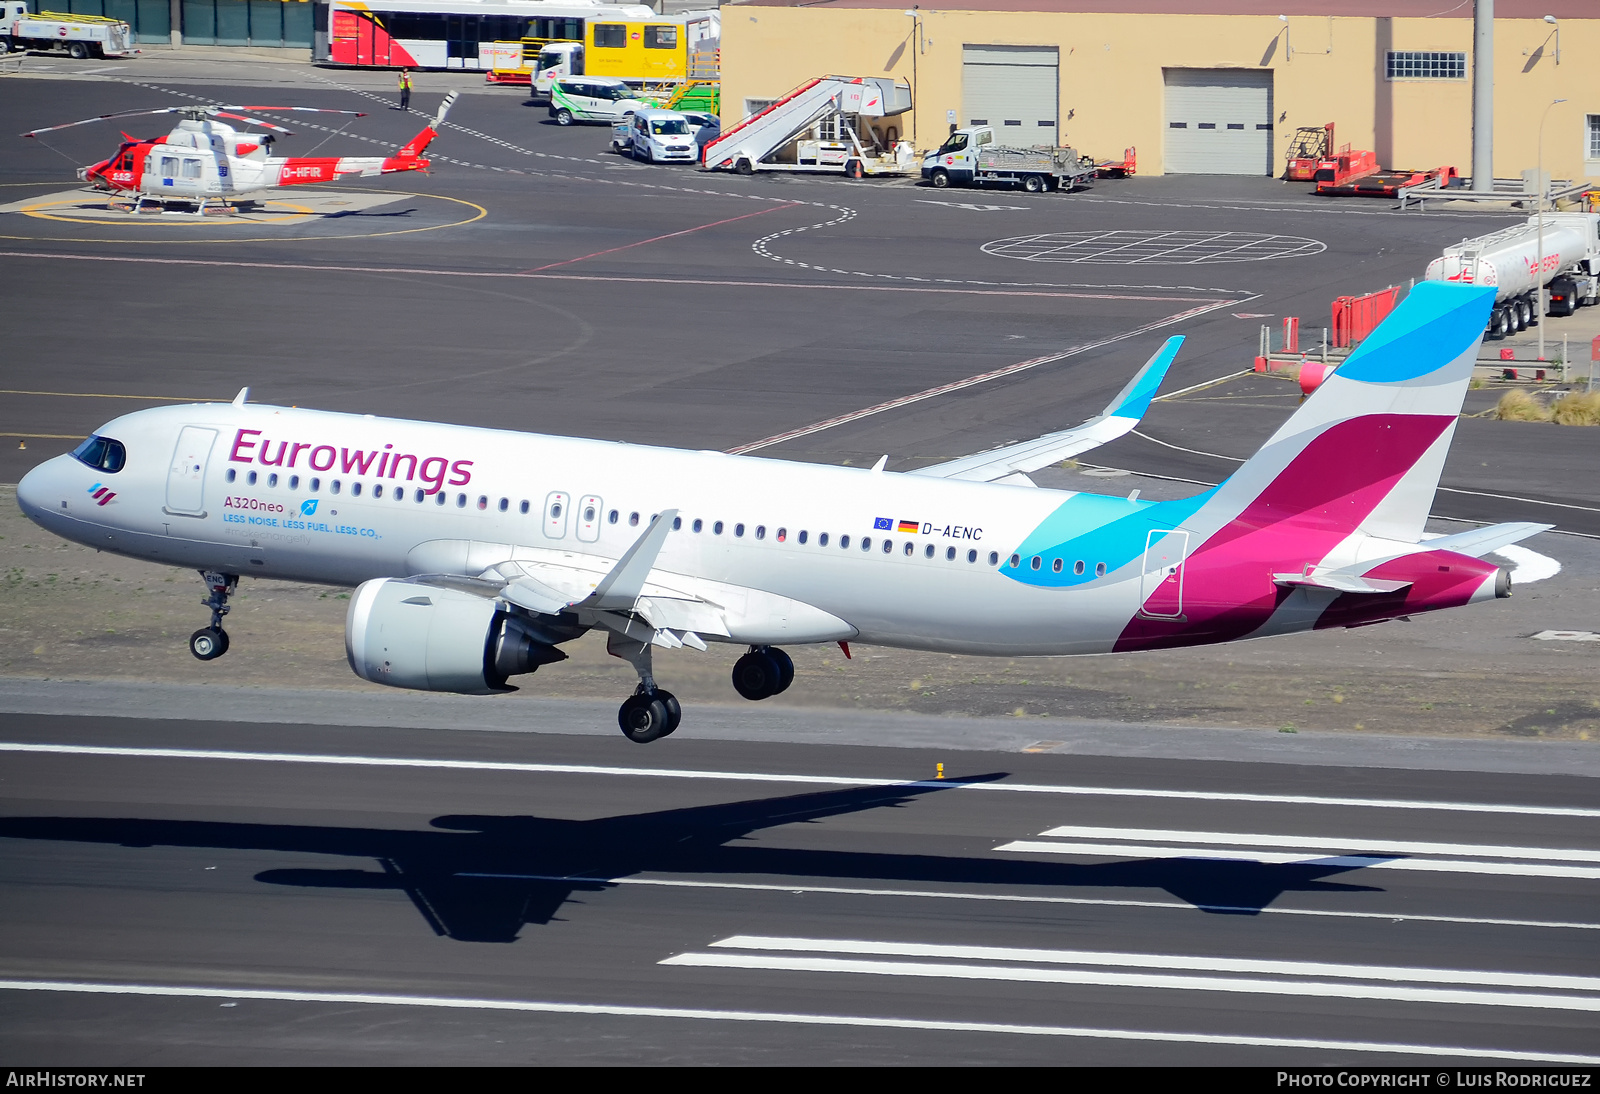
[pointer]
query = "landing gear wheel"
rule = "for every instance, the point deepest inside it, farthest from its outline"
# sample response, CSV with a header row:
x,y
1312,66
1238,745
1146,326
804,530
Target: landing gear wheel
x,y
645,717
674,711
940,179
563,117
785,669
208,643
1034,184
762,673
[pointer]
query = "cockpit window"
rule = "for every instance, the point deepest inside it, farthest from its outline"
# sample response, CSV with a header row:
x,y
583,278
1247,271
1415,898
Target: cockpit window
x,y
102,453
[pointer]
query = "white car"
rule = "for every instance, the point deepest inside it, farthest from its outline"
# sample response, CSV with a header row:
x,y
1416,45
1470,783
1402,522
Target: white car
x,y
705,126
592,99
656,136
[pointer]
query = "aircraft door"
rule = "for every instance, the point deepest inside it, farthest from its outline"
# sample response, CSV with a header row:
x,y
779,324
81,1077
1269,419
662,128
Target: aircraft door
x,y
1161,584
555,514
589,518
187,477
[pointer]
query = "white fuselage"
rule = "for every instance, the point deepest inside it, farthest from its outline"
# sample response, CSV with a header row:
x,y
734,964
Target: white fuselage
x,y
342,498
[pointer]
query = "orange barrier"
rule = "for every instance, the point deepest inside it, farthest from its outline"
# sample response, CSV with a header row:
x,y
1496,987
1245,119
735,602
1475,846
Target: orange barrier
x,y
1354,317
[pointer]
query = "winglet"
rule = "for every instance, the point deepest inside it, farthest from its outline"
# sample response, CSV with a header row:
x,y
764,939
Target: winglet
x,y
622,587
244,393
1134,399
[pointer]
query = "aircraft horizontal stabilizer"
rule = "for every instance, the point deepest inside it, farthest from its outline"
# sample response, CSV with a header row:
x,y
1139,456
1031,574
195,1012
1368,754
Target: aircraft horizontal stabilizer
x,y
1482,541
1120,416
1340,581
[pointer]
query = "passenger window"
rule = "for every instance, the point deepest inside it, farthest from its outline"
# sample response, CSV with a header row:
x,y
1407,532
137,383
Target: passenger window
x,y
1016,560
232,474
611,517
783,534
505,503
377,491
1077,567
1056,566
972,556
169,166
888,545
422,495
400,494
661,37
191,169
677,523
250,478
1099,569
761,531
802,536
738,530
588,513
272,479
698,524
866,543
927,552
314,485
610,36
333,487
844,542
439,498
1035,562
910,548
716,529
355,490
294,482
822,540
994,558
461,501
483,502
633,520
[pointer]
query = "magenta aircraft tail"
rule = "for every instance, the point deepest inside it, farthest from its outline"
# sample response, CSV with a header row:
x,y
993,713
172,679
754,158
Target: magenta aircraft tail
x,y
1321,526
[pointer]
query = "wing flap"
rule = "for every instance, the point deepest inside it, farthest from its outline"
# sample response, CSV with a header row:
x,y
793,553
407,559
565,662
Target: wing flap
x,y
1120,416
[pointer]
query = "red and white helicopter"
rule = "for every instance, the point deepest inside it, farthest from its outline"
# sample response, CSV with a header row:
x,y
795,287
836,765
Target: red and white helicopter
x,y
206,160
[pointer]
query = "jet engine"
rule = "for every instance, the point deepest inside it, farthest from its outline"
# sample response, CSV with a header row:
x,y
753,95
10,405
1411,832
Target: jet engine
x,y
409,635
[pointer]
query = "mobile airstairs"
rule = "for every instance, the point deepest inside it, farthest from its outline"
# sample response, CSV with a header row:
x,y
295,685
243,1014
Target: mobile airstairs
x,y
772,139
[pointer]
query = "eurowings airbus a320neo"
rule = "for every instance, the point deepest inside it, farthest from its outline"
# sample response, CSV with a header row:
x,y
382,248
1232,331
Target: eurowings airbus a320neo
x,y
476,553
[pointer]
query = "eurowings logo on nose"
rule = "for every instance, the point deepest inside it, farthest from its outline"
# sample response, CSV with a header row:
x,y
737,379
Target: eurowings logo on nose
x,y
100,494
308,507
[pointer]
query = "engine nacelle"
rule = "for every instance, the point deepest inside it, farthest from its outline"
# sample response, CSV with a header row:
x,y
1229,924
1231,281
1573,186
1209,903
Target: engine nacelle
x,y
408,635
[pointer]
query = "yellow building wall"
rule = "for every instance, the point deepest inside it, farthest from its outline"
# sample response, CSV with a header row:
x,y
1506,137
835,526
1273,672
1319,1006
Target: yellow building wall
x,y
1112,90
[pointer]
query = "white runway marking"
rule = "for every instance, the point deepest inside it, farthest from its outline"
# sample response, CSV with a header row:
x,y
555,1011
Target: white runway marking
x,y
1461,990
801,780
1247,965
1327,844
782,1018
1281,858
1033,898
1130,247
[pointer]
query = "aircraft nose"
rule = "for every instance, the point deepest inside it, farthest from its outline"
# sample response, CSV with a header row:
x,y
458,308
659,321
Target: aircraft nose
x,y
39,492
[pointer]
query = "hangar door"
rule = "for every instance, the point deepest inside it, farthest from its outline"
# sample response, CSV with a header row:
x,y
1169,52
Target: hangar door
x,y
1219,121
1016,89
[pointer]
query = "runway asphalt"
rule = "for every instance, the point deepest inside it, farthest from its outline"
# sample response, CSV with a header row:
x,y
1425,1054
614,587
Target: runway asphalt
x,y
274,891
224,892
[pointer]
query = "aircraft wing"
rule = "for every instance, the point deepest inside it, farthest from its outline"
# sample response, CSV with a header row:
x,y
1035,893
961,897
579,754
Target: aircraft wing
x,y
1013,462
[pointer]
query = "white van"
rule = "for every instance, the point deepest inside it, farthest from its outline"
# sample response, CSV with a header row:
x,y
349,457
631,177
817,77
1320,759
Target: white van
x,y
656,136
591,99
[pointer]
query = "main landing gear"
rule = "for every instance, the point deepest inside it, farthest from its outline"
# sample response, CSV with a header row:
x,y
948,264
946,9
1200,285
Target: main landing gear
x,y
210,643
763,672
650,713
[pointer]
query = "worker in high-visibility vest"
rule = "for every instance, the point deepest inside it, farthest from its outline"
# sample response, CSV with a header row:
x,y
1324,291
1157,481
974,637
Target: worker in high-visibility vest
x,y
405,89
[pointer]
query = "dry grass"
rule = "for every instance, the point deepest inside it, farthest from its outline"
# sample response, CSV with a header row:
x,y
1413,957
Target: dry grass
x,y
1577,408
1519,406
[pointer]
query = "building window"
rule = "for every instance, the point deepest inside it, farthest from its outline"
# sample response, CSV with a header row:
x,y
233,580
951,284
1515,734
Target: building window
x,y
1594,137
1401,64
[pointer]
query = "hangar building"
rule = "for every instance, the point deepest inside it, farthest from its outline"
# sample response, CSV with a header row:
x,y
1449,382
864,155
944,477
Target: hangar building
x,y
1198,86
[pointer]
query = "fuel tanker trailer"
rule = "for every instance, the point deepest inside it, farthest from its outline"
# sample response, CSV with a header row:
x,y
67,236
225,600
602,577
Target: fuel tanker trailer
x,y
1518,263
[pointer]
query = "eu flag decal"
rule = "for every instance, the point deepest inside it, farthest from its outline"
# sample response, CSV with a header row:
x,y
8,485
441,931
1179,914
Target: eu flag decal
x,y
882,524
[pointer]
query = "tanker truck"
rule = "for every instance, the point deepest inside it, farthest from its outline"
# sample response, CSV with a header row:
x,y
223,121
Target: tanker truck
x,y
1514,261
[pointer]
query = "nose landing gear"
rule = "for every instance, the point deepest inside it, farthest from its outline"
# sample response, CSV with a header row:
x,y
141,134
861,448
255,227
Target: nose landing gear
x,y
763,672
211,642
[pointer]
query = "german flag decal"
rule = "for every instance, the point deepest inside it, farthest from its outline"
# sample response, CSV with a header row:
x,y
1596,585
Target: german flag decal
x,y
909,526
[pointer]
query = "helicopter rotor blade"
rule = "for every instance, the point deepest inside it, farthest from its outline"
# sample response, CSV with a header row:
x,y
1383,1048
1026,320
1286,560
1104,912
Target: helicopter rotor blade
x,y
106,118
252,121
302,109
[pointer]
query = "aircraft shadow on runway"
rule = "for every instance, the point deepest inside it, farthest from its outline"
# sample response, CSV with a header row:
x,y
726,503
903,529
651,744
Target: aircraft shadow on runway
x,y
482,878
